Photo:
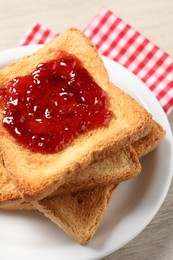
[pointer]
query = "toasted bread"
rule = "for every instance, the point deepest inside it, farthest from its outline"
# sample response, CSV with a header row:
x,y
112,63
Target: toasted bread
x,y
46,172
18,206
116,168
121,166
8,191
78,214
124,164
148,143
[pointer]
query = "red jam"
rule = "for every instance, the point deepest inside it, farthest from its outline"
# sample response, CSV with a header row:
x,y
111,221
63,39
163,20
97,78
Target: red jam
x,y
47,109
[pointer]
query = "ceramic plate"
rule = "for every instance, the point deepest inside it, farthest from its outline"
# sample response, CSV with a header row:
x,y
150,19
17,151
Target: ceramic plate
x,y
29,235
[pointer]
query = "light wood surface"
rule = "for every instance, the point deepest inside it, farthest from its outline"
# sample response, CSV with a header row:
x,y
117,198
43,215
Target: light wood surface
x,y
154,19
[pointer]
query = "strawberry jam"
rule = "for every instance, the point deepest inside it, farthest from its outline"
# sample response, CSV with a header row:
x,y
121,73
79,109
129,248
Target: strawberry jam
x,y
47,109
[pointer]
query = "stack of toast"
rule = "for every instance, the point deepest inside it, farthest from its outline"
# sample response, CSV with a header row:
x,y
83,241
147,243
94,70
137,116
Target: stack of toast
x,y
73,187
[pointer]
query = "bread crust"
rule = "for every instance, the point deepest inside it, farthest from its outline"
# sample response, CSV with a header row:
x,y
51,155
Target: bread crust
x,y
148,143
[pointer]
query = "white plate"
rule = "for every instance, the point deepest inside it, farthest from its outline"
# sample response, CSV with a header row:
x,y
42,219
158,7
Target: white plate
x,y
29,235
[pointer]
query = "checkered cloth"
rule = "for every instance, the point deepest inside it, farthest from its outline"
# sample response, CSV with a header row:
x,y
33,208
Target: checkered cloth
x,y
120,42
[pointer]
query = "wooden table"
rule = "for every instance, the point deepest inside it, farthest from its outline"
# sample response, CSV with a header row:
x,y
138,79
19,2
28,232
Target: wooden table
x,y
154,19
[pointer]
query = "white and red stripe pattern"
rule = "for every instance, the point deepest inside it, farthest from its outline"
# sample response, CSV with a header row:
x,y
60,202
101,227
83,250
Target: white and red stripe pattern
x,y
37,34
120,42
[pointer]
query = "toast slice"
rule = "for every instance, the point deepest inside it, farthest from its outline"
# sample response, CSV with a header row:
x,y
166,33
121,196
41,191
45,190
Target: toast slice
x,y
78,214
119,167
46,172
123,165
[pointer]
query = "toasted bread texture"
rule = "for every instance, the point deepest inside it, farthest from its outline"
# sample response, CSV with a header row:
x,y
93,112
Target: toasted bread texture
x,y
116,168
77,217
148,143
113,169
8,191
18,206
78,214
122,165
46,172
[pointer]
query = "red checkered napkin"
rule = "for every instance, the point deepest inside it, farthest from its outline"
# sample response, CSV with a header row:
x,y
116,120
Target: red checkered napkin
x,y
120,42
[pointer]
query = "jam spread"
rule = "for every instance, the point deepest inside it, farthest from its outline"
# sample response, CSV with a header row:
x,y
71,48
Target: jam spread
x,y
47,109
